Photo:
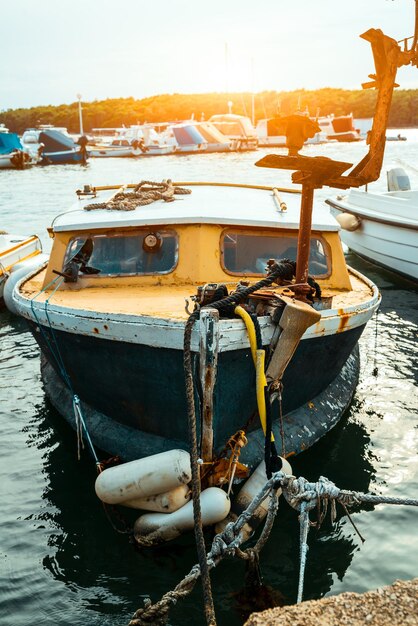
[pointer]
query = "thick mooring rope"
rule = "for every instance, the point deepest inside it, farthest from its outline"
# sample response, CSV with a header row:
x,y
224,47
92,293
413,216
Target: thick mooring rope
x,y
194,462
144,193
227,305
302,495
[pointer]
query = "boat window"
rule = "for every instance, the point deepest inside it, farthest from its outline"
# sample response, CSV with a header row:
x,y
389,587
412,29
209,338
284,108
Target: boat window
x,y
245,253
133,254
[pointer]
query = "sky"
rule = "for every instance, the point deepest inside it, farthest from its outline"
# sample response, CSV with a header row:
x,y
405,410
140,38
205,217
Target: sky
x,y
53,50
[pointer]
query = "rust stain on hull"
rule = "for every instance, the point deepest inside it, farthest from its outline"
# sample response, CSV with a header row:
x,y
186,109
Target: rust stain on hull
x,y
344,317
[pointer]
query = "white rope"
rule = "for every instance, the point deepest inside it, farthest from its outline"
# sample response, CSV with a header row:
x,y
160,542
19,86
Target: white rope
x,y
303,496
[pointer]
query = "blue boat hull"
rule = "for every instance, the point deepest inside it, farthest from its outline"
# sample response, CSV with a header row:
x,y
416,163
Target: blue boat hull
x,y
302,427
142,388
59,158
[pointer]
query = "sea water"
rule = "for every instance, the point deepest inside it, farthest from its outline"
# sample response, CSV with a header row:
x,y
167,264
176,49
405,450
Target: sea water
x,y
63,563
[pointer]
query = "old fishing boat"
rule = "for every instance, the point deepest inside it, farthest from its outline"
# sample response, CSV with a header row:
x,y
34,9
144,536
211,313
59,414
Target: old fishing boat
x,y
120,346
109,313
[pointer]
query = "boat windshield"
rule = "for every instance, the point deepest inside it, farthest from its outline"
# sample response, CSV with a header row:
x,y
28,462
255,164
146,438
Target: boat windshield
x,y
245,253
128,254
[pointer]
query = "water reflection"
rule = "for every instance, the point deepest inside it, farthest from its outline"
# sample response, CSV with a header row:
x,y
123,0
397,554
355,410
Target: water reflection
x,y
109,575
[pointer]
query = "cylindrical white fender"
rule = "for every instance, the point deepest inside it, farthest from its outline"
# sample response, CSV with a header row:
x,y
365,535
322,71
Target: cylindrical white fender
x,y
348,221
18,271
154,528
145,477
167,502
247,493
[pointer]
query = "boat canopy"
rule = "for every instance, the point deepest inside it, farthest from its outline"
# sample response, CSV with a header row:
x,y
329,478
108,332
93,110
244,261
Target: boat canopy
x,y
211,134
186,135
55,141
230,124
9,142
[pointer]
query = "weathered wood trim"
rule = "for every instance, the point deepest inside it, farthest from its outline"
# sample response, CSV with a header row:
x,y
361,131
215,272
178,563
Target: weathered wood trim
x,y
209,346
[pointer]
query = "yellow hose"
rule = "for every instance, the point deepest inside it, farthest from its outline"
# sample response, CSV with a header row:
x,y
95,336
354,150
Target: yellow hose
x,y
246,317
259,357
260,383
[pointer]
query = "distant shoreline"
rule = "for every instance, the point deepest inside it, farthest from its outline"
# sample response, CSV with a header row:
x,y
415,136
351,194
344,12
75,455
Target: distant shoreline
x,y
116,112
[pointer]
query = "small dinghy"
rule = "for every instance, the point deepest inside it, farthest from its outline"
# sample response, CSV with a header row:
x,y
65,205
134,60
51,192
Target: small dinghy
x,y
19,255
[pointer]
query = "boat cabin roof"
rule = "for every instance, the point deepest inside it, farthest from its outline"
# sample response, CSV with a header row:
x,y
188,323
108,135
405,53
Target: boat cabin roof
x,y
209,203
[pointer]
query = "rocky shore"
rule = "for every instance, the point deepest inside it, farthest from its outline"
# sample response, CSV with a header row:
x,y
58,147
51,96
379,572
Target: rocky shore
x,y
395,605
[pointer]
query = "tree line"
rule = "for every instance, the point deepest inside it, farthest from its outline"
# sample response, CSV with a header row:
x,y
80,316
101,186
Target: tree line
x,y
116,112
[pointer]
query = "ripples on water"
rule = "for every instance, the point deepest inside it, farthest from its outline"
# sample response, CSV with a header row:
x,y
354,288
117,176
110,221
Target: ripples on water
x,y
62,563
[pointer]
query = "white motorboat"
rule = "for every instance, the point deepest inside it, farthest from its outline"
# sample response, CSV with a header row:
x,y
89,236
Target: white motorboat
x,y
151,142
382,227
117,148
134,141
339,128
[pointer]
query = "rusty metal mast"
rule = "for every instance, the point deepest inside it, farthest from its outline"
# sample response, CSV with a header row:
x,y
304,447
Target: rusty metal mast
x,y
315,172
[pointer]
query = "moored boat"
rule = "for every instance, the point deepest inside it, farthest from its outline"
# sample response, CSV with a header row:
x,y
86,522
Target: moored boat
x,y
54,146
185,138
120,148
112,300
17,253
12,153
132,141
397,137
339,128
382,226
215,140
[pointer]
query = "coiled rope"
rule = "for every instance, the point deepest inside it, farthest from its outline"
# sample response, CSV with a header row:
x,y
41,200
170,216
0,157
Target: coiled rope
x,y
144,193
302,495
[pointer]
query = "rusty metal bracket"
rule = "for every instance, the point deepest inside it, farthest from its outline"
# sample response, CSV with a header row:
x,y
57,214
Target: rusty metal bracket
x,y
314,172
319,171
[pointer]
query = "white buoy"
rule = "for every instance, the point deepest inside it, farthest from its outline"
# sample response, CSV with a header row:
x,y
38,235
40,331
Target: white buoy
x,y
348,221
247,493
167,502
155,528
150,476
